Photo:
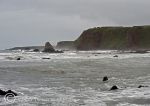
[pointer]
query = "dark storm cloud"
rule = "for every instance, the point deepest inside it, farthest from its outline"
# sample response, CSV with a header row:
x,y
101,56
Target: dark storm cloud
x,y
32,22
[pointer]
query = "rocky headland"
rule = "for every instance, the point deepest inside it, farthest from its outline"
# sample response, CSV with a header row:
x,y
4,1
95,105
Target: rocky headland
x,y
119,38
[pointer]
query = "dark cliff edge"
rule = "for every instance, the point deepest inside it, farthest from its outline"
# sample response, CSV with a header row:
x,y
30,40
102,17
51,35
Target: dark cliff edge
x,y
119,38
66,45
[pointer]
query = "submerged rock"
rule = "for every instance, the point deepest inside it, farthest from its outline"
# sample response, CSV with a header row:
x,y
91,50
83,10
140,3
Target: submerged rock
x,y
105,78
114,88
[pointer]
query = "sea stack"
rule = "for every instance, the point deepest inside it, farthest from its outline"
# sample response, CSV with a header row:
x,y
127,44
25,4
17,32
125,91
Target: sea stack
x,y
48,48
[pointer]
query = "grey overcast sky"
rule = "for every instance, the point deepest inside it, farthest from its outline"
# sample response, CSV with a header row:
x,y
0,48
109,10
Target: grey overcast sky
x,y
33,22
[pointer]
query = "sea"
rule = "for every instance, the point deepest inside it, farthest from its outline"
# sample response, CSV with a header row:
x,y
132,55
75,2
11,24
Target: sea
x,y
74,78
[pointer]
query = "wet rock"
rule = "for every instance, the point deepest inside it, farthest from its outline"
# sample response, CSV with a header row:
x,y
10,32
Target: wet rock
x,y
105,78
141,86
36,50
48,48
11,92
46,58
114,88
115,56
18,58
3,93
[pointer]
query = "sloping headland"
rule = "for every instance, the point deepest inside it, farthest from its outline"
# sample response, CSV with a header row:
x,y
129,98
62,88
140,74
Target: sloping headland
x,y
119,38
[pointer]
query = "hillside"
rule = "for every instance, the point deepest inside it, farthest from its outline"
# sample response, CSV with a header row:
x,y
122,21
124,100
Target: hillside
x,y
137,37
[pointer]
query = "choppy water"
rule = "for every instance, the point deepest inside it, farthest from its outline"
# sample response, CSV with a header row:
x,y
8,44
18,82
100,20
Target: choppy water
x,y
75,79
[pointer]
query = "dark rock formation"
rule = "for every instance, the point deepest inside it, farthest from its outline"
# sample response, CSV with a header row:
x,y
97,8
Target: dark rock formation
x,y
36,50
114,87
48,48
3,93
46,58
11,92
115,56
105,78
141,86
18,58
119,38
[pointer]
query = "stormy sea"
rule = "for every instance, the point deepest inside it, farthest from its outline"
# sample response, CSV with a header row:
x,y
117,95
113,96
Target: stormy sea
x,y
74,78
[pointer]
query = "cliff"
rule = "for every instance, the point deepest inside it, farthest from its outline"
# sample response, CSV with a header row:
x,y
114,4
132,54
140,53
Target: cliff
x,y
66,45
137,37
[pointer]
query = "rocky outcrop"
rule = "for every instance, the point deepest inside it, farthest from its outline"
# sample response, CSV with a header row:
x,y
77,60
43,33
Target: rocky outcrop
x,y
105,79
66,45
36,50
8,93
120,38
48,48
114,88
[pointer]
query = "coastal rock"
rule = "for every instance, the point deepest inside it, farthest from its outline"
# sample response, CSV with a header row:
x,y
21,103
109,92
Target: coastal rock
x,y
105,78
18,58
3,93
36,50
114,88
141,86
46,58
48,48
115,56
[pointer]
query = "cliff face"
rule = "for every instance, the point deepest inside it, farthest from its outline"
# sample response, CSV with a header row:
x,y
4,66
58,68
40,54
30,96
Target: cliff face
x,y
137,37
67,45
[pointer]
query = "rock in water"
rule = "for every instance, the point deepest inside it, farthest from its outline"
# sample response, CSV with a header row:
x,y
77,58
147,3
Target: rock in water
x,y
105,78
141,86
11,92
18,58
115,56
3,93
36,50
48,48
114,88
